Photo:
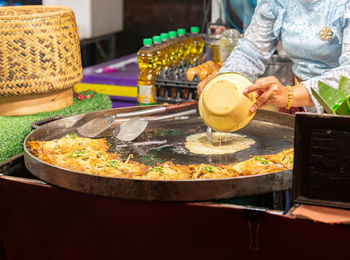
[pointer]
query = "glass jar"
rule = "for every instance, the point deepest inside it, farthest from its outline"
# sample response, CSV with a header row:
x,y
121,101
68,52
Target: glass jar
x,y
213,42
228,42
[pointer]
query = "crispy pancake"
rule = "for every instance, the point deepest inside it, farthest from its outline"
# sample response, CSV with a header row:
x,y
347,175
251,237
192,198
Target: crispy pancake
x,y
285,158
90,156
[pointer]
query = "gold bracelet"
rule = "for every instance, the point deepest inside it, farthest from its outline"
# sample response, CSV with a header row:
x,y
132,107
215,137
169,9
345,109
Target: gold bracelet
x,y
290,97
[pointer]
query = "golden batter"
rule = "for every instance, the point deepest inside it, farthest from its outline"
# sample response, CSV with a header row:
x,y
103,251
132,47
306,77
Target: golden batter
x,y
222,143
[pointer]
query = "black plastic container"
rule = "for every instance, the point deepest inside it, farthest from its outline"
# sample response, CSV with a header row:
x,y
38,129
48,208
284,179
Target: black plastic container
x,y
173,86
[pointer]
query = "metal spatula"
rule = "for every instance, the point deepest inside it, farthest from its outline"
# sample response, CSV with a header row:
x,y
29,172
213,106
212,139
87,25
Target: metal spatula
x,y
100,124
130,129
133,127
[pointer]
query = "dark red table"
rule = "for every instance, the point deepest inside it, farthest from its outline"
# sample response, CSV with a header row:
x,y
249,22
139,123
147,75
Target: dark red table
x,y
39,221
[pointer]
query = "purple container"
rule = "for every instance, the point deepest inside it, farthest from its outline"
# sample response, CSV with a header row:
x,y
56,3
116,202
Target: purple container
x,y
121,72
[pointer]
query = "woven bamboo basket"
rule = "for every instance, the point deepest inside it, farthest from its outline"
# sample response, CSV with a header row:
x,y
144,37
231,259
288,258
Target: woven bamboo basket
x,y
39,55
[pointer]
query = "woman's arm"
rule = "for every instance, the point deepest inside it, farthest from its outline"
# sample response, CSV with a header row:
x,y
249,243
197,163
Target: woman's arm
x,y
269,90
253,51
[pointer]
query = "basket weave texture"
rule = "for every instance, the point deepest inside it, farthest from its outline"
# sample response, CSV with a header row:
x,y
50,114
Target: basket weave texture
x,y
39,50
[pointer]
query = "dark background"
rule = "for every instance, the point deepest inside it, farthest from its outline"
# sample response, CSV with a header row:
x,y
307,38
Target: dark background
x,y
145,18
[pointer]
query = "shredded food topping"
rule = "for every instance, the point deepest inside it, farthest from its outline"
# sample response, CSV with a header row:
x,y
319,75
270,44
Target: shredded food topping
x,y
90,156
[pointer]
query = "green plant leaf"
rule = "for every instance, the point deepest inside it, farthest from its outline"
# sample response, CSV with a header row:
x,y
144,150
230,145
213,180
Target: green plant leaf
x,y
331,96
344,86
344,108
323,103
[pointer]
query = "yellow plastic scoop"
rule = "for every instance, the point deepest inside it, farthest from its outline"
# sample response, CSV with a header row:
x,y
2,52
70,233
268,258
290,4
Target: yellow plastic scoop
x,y
222,104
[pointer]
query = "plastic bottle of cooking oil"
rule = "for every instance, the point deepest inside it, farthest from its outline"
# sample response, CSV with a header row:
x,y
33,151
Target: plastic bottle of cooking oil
x,y
197,46
146,90
183,45
176,48
168,49
162,56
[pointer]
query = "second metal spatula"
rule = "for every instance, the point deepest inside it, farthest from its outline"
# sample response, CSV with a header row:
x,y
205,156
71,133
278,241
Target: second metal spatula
x,y
100,124
133,127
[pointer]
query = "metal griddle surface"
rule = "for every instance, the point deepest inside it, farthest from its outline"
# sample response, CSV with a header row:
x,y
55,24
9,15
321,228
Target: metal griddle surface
x,y
165,141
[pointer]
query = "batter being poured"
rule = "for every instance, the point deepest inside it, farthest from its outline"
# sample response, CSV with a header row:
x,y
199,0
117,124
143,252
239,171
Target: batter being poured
x,y
222,143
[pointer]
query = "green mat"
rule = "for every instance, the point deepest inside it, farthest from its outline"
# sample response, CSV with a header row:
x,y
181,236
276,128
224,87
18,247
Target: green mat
x,y
13,129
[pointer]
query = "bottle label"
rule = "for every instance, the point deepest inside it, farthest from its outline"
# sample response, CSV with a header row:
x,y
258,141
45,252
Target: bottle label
x,y
146,94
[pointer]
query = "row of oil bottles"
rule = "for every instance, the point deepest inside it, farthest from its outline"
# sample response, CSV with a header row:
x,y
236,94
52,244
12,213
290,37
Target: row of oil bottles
x,y
165,52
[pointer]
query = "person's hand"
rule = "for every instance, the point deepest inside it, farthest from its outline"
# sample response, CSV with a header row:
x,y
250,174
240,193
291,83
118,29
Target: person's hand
x,y
202,84
269,90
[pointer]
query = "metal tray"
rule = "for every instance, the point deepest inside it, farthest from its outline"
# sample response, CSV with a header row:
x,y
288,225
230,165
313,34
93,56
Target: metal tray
x,y
173,86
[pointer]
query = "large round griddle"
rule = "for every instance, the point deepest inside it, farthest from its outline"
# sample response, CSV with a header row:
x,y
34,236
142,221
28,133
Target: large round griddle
x,y
164,141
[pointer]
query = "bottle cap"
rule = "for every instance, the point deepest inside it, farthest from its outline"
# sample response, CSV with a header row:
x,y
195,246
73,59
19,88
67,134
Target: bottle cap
x,y
147,41
194,29
164,36
181,31
172,34
157,39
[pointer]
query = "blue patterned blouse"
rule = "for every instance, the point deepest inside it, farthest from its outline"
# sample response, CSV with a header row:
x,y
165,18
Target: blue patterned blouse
x,y
297,23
